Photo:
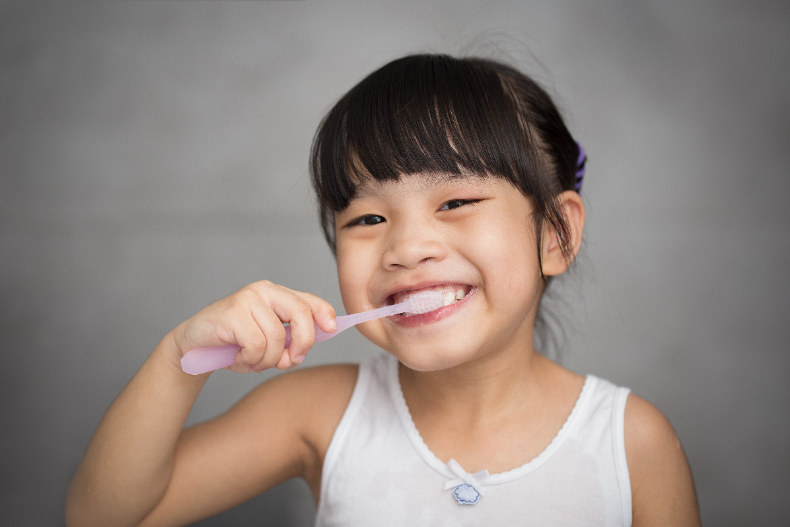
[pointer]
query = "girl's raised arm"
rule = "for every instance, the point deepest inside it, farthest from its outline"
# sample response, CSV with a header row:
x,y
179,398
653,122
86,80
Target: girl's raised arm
x,y
142,467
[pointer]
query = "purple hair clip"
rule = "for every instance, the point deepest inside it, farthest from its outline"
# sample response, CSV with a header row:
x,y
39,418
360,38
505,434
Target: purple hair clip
x,y
580,168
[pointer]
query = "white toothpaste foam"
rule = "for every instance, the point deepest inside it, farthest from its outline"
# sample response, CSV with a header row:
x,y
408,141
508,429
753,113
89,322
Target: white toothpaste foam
x,y
425,302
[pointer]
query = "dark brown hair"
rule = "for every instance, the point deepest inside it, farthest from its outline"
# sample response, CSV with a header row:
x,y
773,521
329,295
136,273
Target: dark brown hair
x,y
455,116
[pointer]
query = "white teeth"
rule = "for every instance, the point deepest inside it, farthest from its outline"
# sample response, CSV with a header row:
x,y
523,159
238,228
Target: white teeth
x,y
449,298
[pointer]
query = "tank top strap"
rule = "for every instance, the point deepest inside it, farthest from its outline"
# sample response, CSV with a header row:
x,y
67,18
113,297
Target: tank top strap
x,y
364,375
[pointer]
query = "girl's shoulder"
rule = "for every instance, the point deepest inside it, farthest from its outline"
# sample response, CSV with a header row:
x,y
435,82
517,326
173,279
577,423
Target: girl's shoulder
x,y
309,403
315,396
661,483
326,385
327,376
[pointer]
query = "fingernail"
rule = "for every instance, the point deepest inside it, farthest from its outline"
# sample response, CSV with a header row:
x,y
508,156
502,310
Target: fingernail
x,y
332,324
298,360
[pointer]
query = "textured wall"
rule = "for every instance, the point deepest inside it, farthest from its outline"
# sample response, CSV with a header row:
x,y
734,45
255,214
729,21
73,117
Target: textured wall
x,y
153,158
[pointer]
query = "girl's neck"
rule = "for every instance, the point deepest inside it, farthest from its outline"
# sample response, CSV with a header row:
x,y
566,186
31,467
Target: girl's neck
x,y
494,414
478,391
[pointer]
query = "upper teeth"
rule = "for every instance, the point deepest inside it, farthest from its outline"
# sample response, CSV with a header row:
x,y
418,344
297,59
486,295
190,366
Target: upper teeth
x,y
453,297
448,296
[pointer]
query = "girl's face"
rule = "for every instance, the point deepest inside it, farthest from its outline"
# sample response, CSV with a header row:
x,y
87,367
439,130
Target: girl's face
x,y
472,238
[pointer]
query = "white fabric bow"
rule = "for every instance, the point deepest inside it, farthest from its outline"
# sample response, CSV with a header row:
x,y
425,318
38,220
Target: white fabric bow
x,y
473,480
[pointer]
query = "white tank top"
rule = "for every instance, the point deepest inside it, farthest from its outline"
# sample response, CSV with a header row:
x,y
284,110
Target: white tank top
x,y
379,472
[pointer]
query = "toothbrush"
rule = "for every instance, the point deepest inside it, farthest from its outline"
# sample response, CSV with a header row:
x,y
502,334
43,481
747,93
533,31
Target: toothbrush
x,y
202,360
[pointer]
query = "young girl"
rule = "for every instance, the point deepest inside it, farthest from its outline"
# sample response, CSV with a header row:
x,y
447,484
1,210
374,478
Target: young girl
x,y
433,173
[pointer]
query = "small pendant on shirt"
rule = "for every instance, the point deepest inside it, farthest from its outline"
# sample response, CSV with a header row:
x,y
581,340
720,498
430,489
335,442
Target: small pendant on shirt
x,y
466,494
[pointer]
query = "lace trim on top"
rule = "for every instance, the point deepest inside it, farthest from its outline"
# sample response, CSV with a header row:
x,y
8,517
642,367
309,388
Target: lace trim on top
x,y
434,462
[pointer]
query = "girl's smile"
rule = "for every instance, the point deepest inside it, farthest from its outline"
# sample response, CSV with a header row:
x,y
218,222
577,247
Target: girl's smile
x,y
455,296
469,237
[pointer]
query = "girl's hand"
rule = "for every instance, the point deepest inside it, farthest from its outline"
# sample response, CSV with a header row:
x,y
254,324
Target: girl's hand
x,y
253,318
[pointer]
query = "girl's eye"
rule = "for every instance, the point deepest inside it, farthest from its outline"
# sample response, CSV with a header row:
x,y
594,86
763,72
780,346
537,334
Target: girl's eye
x,y
369,219
455,203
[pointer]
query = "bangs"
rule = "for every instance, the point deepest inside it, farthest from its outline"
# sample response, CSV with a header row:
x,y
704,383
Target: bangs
x,y
424,113
430,114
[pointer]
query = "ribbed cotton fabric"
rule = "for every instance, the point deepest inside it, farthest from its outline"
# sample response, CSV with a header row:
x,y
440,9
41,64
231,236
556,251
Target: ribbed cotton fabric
x,y
378,471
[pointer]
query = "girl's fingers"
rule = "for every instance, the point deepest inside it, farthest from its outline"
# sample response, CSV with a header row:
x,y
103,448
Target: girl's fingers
x,y
240,368
245,320
323,312
271,329
285,361
271,306
299,315
253,318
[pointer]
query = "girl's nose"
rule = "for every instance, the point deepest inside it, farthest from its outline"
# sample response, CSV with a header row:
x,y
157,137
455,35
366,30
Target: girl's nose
x,y
411,246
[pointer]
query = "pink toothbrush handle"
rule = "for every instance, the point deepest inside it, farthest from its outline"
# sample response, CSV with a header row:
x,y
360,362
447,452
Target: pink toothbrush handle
x,y
203,360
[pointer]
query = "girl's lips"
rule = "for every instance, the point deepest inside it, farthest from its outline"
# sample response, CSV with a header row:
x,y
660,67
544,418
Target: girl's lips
x,y
437,314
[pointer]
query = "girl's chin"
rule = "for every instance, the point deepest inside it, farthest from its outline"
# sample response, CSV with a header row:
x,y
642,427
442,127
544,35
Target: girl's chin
x,y
425,365
431,358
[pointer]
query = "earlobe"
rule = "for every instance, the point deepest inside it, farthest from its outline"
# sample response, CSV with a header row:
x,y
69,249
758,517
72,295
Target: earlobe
x,y
554,260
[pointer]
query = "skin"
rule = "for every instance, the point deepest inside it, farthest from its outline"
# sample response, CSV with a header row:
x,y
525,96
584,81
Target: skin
x,y
468,368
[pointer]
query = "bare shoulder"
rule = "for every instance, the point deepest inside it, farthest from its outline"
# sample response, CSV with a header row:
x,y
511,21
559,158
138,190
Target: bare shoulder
x,y
317,381
662,488
313,400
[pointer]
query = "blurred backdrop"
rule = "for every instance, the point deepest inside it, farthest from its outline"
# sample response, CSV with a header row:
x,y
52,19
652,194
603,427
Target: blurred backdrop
x,y
153,159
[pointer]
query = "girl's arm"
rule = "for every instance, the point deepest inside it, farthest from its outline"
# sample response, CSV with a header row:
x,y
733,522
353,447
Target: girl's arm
x,y
662,489
279,431
128,464
142,467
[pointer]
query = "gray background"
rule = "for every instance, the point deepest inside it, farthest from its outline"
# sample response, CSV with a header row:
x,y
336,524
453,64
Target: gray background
x,y
153,159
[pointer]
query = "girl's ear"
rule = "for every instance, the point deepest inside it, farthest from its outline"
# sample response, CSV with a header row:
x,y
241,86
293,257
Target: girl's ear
x,y
554,261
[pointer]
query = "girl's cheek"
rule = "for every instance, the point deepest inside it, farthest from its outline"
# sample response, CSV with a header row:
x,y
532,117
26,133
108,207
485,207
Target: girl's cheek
x,y
353,276
344,272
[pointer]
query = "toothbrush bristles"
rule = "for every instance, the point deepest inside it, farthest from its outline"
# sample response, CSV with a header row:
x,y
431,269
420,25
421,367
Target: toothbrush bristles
x,y
425,302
